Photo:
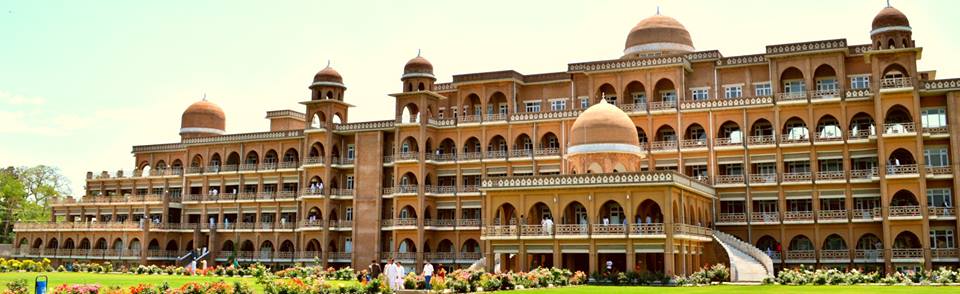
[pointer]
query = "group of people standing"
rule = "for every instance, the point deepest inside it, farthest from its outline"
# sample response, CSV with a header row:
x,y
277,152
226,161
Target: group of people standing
x,y
395,273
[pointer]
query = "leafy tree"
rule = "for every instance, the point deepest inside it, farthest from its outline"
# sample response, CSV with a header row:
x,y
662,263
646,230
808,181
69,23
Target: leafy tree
x,y
12,195
43,183
25,193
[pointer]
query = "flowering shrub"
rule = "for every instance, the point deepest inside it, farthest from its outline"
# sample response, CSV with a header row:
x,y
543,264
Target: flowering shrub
x,y
17,287
76,289
806,276
10,265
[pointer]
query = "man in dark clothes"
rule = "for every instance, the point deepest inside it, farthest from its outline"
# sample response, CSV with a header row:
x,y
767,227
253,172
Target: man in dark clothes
x,y
374,269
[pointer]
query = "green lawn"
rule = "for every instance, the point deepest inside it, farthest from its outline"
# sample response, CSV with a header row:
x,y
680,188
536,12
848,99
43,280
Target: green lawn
x,y
114,279
745,289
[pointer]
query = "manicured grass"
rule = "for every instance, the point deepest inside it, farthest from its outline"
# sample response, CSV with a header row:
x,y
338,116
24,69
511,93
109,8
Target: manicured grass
x,y
724,289
114,279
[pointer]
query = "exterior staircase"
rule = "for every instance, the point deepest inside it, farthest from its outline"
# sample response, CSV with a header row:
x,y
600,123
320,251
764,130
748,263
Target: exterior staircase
x,y
747,263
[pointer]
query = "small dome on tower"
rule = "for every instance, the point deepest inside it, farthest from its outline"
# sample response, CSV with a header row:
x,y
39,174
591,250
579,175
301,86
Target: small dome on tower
x,y
890,19
201,119
328,76
658,34
604,124
418,67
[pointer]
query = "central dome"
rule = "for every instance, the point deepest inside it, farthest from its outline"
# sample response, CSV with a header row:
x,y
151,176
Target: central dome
x,y
658,34
202,118
606,128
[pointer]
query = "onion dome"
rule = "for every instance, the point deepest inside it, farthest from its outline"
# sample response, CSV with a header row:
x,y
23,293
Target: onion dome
x,y
604,128
890,19
202,118
418,67
657,34
328,77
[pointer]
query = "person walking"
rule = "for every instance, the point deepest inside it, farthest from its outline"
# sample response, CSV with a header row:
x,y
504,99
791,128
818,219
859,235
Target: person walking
x,y
401,272
427,273
391,272
374,270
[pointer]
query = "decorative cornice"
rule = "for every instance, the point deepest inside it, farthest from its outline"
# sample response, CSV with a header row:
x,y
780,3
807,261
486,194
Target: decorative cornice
x,y
605,148
806,46
704,55
594,180
743,60
621,64
201,130
367,125
891,29
658,47
942,85
286,112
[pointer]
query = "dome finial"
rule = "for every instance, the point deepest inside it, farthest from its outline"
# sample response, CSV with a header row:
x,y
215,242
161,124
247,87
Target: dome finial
x,y
658,8
888,3
328,63
418,52
204,98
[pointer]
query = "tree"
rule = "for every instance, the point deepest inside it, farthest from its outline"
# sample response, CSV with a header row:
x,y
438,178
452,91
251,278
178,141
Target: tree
x,y
43,183
12,195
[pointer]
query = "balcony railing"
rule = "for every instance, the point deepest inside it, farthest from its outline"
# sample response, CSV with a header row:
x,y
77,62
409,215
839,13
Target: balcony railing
x,y
611,229
831,175
470,156
732,217
763,179
791,96
941,211
899,128
824,215
944,253
835,254
863,174
801,255
903,169
862,134
548,151
794,139
828,137
721,142
797,216
662,105
663,145
893,83
761,140
936,130
875,255
765,217
907,253
692,230
534,230
867,214
796,177
499,231
496,154
646,229
314,160
939,170
571,229
693,143
729,179
496,117
905,211
827,93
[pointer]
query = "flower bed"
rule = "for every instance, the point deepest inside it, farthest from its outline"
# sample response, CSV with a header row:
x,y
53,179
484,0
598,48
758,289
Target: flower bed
x,y
220,287
464,281
805,276
718,273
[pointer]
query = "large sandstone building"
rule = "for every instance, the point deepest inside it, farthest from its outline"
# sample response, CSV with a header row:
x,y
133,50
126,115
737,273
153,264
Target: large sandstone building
x,y
817,153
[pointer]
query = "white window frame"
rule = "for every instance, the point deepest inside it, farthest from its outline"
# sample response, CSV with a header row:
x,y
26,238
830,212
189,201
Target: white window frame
x,y
859,82
700,94
763,89
584,102
933,117
558,104
351,151
944,195
946,233
531,106
349,182
733,91
940,152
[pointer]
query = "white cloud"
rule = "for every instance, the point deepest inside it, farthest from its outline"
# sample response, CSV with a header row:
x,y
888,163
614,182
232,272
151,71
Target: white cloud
x,y
17,99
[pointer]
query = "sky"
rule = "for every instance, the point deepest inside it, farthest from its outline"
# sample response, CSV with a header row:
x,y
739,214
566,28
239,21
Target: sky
x,y
81,82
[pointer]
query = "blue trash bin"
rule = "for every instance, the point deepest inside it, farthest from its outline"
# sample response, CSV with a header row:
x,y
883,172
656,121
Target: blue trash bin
x,y
40,286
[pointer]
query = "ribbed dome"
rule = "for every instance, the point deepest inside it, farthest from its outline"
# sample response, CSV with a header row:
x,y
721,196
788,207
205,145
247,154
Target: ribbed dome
x,y
658,33
418,66
603,123
328,75
203,117
890,17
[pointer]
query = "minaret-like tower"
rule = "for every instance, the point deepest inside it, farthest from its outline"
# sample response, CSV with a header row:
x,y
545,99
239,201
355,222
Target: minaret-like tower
x,y
417,75
326,104
891,30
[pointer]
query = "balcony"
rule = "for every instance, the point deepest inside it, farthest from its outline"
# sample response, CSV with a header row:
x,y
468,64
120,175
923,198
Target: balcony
x,y
571,230
549,151
835,255
868,255
936,131
899,129
316,160
941,212
498,232
443,157
311,192
945,254
864,174
906,253
729,180
757,141
691,230
827,138
825,94
763,179
799,177
831,176
497,154
862,134
469,156
801,256
248,167
765,217
663,105
798,216
939,171
868,214
903,170
441,223
494,117
659,146
521,153
832,216
896,83
732,218
469,119
728,142
534,232
76,226
791,96
794,139
905,212
343,193
407,156
646,230
693,144
611,230
638,107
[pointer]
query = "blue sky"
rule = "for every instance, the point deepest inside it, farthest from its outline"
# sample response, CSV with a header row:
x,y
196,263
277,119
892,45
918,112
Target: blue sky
x,y
83,81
